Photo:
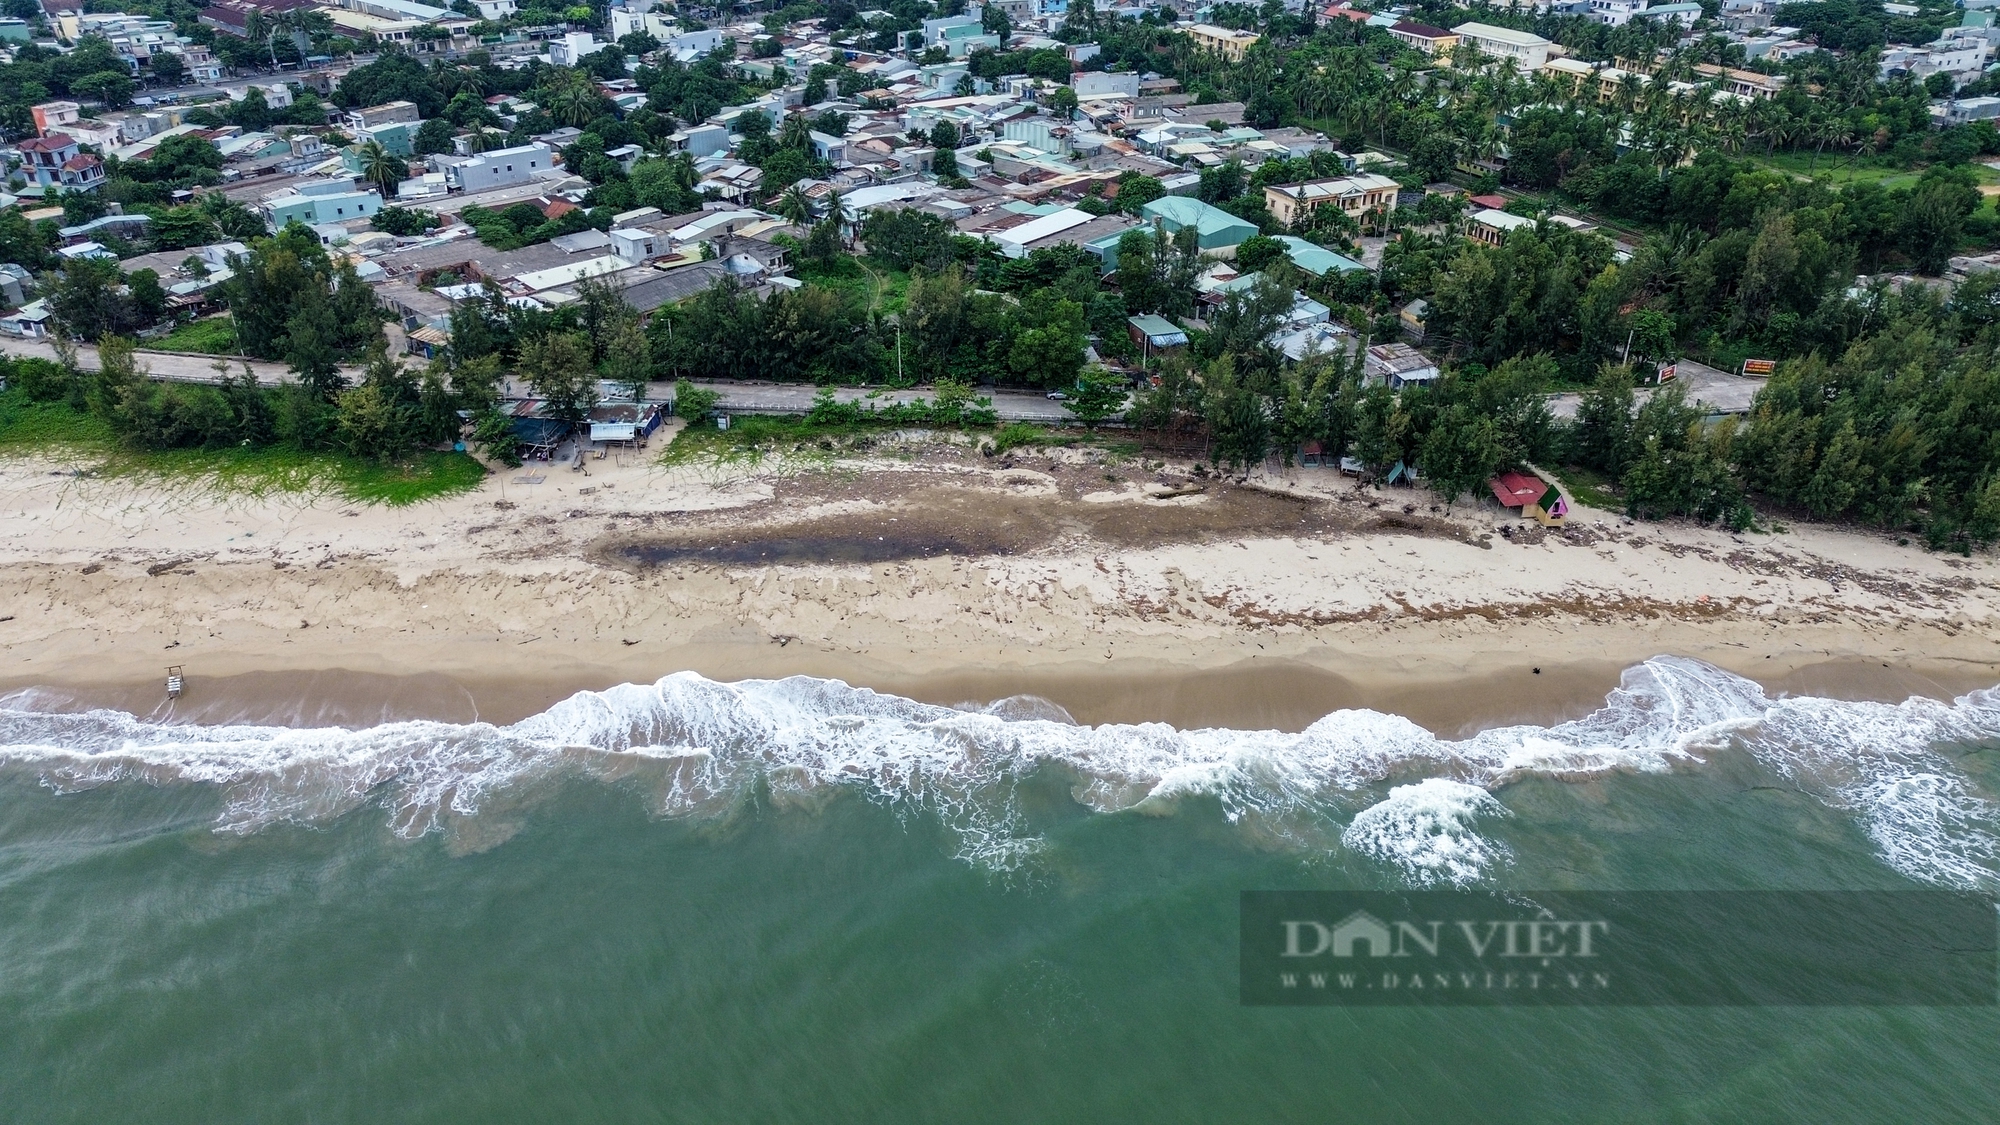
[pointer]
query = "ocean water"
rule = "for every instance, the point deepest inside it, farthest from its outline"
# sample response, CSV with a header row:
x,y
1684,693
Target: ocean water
x,y
795,900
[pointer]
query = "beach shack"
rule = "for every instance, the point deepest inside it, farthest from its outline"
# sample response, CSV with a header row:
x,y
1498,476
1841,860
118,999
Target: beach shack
x,y
1532,496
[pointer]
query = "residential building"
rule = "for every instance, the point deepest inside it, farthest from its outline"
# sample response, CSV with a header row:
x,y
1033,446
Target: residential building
x,y
701,140
1492,227
1528,51
1355,195
15,30
1315,259
1152,333
1217,232
1959,111
1423,37
56,161
1104,84
1231,45
958,35
502,167
319,201
1682,13
55,117
572,47
388,113
1397,365
1615,13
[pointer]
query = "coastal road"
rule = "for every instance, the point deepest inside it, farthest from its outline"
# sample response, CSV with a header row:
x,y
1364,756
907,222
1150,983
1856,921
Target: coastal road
x,y
1718,390
736,398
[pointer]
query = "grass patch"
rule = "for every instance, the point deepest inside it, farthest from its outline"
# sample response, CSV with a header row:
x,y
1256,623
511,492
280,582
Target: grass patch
x,y
53,427
213,336
1590,488
754,437
26,425
273,470
867,282
1837,169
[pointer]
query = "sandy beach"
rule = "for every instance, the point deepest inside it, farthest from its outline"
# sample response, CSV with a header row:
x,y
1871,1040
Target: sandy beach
x,y
1119,590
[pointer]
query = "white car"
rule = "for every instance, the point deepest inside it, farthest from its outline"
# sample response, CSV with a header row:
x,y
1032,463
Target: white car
x,y
1058,396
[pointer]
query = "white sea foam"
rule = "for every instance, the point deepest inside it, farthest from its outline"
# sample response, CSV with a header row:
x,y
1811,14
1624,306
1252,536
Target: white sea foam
x,y
696,746
1427,829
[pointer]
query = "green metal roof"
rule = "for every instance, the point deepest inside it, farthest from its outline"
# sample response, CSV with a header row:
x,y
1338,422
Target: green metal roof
x,y
1317,260
1214,226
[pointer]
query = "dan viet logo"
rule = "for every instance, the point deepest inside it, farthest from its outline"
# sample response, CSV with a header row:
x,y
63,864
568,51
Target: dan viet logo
x,y
1510,943
1673,947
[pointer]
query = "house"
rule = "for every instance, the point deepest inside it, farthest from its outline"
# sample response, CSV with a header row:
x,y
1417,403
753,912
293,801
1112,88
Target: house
x,y
31,319
1231,45
131,228
1413,318
1152,333
1529,51
54,117
1217,232
56,161
502,167
638,244
1317,260
317,202
1104,84
1397,366
1423,37
1290,204
388,113
572,48
1492,227
1683,13
701,140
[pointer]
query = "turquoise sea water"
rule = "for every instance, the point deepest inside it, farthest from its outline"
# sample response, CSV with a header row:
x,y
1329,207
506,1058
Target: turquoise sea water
x,y
797,902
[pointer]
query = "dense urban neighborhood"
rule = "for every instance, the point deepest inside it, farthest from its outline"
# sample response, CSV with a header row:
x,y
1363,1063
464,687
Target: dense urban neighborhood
x,y
1698,260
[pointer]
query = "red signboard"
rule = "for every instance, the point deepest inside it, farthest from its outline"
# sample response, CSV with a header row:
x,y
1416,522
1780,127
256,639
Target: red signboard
x,y
1759,366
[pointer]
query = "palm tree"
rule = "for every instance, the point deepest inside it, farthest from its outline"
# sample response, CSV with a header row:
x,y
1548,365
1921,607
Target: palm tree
x,y
794,206
796,133
378,167
571,98
481,139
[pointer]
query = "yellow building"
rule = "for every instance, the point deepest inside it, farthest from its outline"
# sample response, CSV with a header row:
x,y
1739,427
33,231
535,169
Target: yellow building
x,y
1356,195
1231,45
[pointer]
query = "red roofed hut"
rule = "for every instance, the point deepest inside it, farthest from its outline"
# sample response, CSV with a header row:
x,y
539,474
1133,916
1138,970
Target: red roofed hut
x,y
1531,495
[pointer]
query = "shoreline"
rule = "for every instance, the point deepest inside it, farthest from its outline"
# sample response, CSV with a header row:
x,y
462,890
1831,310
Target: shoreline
x,y
1434,681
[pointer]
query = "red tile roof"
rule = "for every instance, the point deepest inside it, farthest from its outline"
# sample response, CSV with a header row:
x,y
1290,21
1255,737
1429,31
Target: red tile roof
x,y
1514,489
54,142
1491,202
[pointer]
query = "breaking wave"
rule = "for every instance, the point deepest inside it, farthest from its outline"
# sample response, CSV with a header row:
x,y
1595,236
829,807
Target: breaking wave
x,y
697,747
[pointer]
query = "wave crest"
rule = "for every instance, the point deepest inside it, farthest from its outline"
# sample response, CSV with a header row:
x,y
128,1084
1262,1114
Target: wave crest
x,y
698,746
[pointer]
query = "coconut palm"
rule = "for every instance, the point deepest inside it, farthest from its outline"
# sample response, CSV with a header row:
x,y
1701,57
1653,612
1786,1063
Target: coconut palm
x,y
796,133
378,167
794,206
571,98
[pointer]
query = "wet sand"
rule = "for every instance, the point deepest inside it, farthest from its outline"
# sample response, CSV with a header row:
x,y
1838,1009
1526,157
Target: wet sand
x,y
1253,694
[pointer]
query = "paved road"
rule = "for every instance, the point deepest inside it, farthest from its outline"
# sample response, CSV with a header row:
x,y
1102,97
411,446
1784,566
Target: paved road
x,y
1720,391
736,398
